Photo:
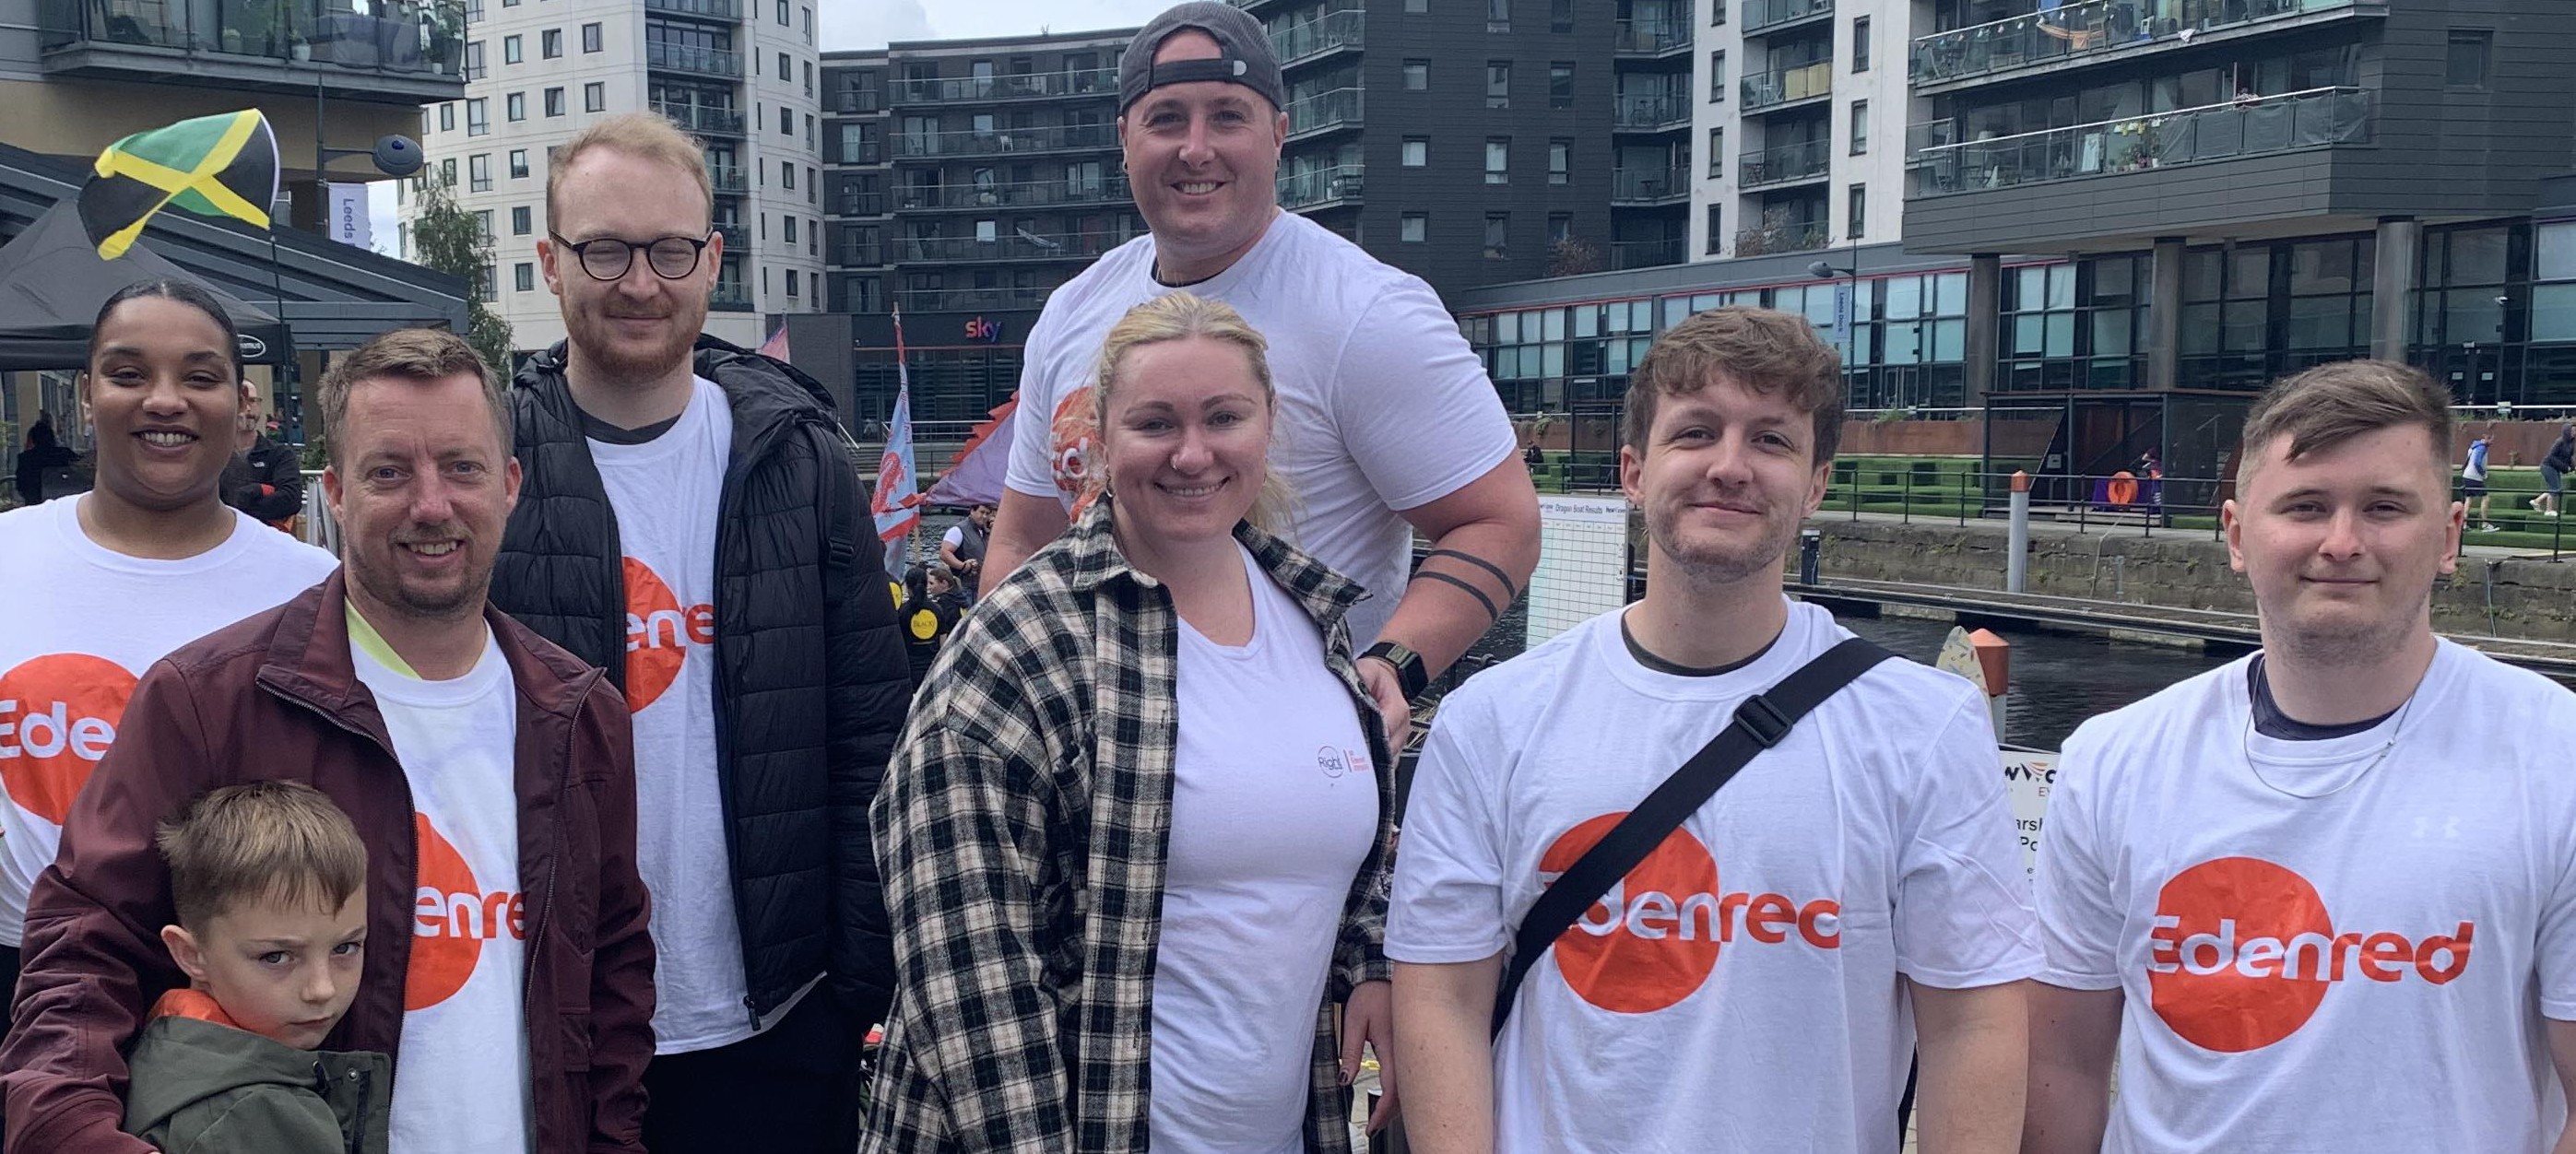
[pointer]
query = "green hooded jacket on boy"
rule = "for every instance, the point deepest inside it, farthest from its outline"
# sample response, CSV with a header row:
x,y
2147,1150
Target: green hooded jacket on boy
x,y
202,1085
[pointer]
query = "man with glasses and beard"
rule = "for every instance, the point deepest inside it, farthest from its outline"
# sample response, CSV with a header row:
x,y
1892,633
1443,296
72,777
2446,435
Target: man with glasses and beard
x,y
694,525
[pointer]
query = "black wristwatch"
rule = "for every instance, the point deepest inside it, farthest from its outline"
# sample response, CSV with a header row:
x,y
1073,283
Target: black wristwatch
x,y
1409,675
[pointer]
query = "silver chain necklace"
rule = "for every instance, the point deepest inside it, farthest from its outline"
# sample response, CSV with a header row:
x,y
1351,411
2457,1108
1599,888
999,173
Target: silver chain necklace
x,y
2245,745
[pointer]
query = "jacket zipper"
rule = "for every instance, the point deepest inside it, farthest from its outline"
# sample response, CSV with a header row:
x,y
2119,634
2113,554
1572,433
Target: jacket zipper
x,y
357,1136
554,865
727,500
411,829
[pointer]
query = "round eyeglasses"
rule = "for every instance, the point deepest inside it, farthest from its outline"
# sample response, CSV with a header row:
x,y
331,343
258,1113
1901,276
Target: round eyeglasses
x,y
608,258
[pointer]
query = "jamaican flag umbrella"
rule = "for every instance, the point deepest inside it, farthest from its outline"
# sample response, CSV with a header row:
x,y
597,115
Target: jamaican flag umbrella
x,y
222,165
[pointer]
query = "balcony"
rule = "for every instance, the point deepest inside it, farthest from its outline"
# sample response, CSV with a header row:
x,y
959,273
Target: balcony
x,y
1639,189
1783,235
1033,194
406,53
1015,248
1298,44
1011,141
1320,188
2255,126
728,180
859,204
692,58
730,297
2098,28
858,102
1627,254
703,121
969,300
1651,37
736,237
1783,87
727,11
1785,165
1650,114
1323,112
1099,82
1762,16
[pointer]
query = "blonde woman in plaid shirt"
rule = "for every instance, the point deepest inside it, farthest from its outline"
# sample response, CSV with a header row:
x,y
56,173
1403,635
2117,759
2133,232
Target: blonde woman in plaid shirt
x,y
1135,837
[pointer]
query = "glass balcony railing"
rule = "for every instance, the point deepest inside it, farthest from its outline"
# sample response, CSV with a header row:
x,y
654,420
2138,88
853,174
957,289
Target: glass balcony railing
x,y
1650,187
737,238
729,11
1323,112
1320,187
856,101
1626,254
1111,190
1298,43
1101,82
2096,26
692,58
1786,164
1016,246
722,121
969,300
730,298
2253,126
1053,138
405,37
1761,15
726,179
1650,113
860,204
1786,85
1787,234
1651,37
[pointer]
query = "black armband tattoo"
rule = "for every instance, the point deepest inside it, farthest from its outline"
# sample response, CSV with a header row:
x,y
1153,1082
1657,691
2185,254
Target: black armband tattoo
x,y
1492,614
1510,591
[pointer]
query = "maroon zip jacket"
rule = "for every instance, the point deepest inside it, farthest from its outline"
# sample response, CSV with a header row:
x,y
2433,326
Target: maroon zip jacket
x,y
276,696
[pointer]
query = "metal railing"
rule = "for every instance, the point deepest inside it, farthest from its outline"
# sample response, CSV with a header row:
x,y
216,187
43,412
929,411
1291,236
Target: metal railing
x,y
860,204
1107,190
1765,14
1319,187
731,298
1783,236
1014,246
1956,491
1783,85
1650,113
855,101
736,237
2250,126
700,119
2084,29
692,58
1627,254
1001,141
407,37
1297,43
729,11
728,179
1811,160
1630,187
1324,111
969,300
1025,86
1651,37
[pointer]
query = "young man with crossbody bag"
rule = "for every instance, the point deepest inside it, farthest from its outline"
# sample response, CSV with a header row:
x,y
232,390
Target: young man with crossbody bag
x,y
1792,930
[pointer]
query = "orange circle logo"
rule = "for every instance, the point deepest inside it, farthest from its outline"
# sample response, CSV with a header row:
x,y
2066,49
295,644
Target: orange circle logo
x,y
1638,949
451,918
658,634
58,715
2241,954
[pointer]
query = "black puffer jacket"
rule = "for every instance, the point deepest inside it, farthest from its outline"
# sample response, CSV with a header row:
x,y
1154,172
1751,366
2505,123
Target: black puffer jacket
x,y
811,677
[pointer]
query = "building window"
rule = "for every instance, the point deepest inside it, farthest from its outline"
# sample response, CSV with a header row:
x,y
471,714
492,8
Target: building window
x,y
812,183
1498,160
520,224
478,172
483,275
1414,228
1417,75
809,77
550,43
590,37
1860,128
806,14
516,107
1498,228
1716,243
791,283
1560,85
786,70
1498,15
790,221
510,51
1716,153
1860,43
786,123
1498,84
1717,13
2466,66
1717,77
518,164
1560,15
525,274
478,117
1417,152
782,13
554,102
1416,7
447,172
474,60
1856,205
1560,229
594,96
447,116
1560,161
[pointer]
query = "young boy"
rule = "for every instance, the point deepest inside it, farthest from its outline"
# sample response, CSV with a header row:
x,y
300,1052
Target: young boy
x,y
268,880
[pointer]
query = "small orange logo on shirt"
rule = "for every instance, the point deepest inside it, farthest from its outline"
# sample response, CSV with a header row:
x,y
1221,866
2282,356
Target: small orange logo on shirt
x,y
658,634
2241,954
1654,938
58,715
452,917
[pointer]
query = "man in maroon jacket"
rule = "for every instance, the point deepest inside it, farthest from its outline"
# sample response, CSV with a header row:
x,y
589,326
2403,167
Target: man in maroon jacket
x,y
508,968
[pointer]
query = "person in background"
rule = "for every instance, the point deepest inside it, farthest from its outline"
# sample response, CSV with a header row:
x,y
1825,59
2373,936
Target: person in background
x,y
1135,837
2553,470
2473,481
43,451
929,613
264,479
961,548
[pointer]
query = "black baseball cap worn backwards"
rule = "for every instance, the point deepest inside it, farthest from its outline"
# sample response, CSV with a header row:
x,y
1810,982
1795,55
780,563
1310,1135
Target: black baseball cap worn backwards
x,y
1243,55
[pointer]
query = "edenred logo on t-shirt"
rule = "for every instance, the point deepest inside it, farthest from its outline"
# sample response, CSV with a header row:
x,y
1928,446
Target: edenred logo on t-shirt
x,y
2242,952
1075,427
1654,938
658,634
58,715
452,916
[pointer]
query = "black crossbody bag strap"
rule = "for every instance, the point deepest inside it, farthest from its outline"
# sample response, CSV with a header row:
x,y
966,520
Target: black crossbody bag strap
x,y
1760,723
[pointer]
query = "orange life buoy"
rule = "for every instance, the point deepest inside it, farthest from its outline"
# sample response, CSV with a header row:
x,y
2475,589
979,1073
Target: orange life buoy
x,y
2124,488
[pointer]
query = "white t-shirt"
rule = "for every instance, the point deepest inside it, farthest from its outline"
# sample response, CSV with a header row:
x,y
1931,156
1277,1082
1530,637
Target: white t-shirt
x,y
1738,990
84,625
1274,807
1382,406
2173,874
667,493
462,1086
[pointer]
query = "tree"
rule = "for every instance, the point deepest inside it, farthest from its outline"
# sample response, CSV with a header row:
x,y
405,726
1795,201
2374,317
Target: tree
x,y
446,237
1572,257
